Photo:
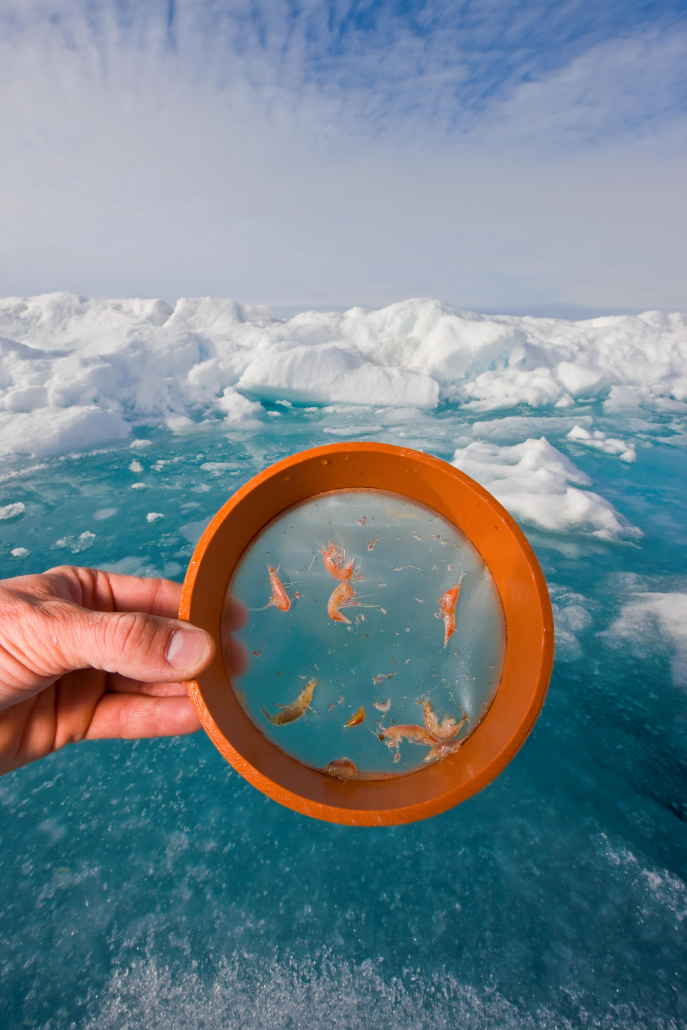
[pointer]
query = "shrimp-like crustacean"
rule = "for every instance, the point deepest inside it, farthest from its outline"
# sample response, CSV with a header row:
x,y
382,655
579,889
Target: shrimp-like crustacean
x,y
447,609
279,599
292,712
335,562
342,597
393,735
447,729
439,737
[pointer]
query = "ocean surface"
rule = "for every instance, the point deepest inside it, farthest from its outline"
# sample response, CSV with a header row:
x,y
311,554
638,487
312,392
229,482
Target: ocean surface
x,y
146,885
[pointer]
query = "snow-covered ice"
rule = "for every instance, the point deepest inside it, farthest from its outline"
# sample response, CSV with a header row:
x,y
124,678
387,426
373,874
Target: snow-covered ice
x,y
533,481
649,619
79,371
600,441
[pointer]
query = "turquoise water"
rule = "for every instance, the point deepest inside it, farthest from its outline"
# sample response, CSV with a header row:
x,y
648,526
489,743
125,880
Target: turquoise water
x,y
389,656
147,885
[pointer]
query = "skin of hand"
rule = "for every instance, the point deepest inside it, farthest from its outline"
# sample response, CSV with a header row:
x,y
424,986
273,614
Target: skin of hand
x,y
86,654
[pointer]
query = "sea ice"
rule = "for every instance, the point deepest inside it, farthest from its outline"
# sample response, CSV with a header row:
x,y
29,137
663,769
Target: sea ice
x,y
76,373
532,480
49,431
8,511
650,619
600,441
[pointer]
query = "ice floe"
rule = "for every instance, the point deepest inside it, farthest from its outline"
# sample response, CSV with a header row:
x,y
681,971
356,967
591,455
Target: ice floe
x,y
533,481
47,431
650,621
572,617
10,511
77,372
600,441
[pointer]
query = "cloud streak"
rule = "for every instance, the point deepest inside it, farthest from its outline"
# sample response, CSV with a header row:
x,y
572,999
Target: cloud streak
x,y
332,153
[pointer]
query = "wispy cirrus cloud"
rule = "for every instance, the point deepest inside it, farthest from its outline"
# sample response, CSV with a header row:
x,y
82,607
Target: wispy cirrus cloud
x,y
344,151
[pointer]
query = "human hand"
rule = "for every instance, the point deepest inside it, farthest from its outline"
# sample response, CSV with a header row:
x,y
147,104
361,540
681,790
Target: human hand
x,y
86,654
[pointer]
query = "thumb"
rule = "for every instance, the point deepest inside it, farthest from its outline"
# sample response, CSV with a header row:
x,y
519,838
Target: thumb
x,y
136,645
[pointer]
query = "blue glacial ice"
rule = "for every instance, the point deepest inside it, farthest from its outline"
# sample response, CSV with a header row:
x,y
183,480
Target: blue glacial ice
x,y
147,885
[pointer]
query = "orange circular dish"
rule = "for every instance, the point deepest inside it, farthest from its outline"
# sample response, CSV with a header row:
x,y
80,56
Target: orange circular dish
x,y
519,580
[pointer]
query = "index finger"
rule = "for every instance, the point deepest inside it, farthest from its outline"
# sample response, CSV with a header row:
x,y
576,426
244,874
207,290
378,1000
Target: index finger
x,y
110,591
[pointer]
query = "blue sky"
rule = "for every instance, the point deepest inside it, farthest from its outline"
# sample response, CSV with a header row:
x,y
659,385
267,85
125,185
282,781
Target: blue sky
x,y
523,156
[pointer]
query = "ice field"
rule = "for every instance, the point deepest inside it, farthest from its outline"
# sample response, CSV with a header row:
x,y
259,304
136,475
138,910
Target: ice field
x,y
147,885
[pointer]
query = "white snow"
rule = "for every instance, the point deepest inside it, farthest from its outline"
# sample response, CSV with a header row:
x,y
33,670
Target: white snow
x,y
532,480
600,441
649,618
153,516
80,543
75,373
10,510
47,431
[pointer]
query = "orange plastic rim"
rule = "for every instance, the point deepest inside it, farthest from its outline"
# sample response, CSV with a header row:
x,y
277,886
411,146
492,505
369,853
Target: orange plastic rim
x,y
519,579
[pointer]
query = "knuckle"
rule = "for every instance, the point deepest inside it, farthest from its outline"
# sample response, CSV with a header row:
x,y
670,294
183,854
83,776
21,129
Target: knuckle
x,y
129,635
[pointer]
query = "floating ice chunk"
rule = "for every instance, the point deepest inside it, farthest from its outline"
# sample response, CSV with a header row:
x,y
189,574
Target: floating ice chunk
x,y
601,442
237,407
20,552
219,466
138,486
10,510
153,516
81,543
571,617
135,466
59,430
532,480
648,618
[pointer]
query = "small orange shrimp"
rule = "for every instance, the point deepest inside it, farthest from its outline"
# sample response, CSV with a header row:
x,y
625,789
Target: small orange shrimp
x,y
342,768
342,596
447,729
292,712
447,609
279,599
335,562
393,735
371,545
356,719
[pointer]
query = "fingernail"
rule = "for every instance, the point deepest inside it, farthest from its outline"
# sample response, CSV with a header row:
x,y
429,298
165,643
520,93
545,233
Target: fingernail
x,y
186,647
